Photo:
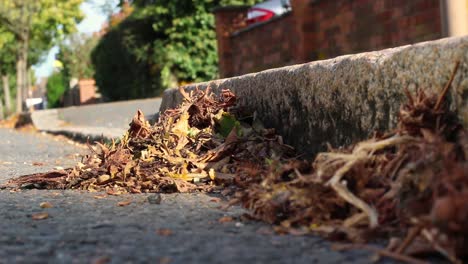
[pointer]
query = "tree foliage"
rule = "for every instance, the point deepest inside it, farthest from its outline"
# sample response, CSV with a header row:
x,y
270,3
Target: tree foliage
x,y
123,67
162,44
7,67
7,51
56,87
36,25
75,55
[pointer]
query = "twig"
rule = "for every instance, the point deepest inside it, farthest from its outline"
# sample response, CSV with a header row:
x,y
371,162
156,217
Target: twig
x,y
184,94
446,88
409,96
430,238
361,152
354,220
347,195
381,251
409,239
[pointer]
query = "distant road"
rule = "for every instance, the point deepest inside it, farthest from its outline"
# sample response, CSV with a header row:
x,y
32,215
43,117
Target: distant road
x,y
111,115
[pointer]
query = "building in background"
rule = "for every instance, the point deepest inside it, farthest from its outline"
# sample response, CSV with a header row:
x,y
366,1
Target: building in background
x,y
81,92
322,29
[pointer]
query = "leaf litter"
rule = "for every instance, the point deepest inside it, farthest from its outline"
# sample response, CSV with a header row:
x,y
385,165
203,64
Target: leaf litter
x,y
40,216
409,185
45,205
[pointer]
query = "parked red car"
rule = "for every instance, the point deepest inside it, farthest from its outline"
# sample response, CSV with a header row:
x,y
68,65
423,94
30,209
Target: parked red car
x,y
267,10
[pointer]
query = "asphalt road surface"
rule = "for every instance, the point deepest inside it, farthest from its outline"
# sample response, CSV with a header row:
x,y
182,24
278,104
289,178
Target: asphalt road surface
x,y
110,115
80,228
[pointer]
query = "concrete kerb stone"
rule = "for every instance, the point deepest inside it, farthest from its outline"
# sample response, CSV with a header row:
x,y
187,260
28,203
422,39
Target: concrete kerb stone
x,y
84,135
46,119
345,99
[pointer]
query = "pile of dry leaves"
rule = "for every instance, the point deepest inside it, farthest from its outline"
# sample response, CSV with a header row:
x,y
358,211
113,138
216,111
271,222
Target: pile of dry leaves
x,y
188,149
409,185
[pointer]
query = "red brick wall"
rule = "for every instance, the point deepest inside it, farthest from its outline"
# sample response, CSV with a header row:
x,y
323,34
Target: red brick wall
x,y
83,93
332,28
320,29
265,46
87,88
228,20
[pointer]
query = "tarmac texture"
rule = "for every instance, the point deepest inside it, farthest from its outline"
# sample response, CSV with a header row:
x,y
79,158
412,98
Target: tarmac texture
x,y
83,227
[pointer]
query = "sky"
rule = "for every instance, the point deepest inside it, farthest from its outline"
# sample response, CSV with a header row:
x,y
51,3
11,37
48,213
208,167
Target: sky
x,y
92,22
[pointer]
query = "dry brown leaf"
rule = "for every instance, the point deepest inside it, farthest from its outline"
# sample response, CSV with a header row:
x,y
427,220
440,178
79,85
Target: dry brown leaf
x,y
164,232
215,200
100,196
112,191
225,219
101,260
40,216
45,205
124,203
165,260
224,178
103,179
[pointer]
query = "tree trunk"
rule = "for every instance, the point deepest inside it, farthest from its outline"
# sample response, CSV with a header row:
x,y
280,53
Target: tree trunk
x,y
19,83
21,72
6,92
2,114
28,83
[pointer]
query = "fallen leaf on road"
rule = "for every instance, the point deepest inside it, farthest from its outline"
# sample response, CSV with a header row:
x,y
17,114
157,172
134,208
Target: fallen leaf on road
x,y
38,163
164,232
101,260
165,260
225,219
40,216
45,205
100,196
215,200
124,203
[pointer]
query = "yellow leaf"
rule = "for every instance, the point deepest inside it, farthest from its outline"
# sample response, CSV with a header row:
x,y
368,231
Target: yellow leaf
x,y
45,205
128,168
181,128
40,216
124,203
212,175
